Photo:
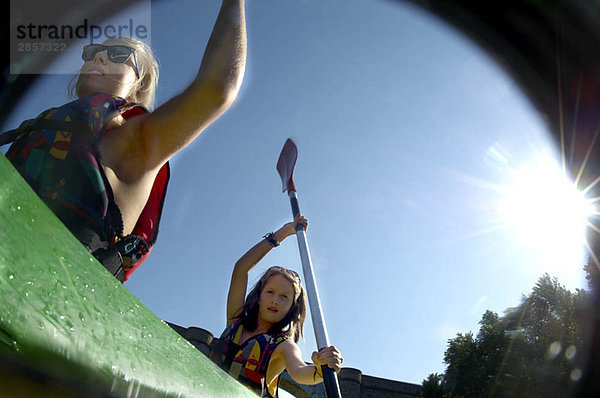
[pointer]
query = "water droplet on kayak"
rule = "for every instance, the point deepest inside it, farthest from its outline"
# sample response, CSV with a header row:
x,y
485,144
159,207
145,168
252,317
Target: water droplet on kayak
x,y
11,277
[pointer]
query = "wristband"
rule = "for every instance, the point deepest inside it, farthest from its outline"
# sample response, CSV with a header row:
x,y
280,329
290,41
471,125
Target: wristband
x,y
270,237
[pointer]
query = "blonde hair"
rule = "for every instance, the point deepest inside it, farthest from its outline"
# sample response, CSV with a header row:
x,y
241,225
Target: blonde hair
x,y
143,89
292,324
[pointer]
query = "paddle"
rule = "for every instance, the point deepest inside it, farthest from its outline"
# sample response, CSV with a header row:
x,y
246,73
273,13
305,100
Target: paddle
x,y
285,168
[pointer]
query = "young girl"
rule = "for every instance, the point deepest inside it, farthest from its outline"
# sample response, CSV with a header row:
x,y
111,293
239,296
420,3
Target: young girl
x,y
260,340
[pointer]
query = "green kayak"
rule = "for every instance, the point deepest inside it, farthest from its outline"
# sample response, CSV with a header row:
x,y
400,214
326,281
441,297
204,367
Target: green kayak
x,y
65,321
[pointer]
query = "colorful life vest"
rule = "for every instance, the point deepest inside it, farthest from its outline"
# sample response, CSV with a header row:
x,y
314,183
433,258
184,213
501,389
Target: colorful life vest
x,y
248,363
57,154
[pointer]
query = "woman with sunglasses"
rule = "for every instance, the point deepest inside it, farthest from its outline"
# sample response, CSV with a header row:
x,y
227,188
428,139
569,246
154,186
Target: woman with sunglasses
x,y
100,162
263,328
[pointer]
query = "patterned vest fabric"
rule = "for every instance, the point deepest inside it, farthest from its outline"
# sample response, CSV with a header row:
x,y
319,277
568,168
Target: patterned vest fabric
x,y
248,362
57,154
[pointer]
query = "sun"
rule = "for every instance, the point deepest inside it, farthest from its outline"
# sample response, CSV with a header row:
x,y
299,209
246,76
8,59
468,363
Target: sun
x,y
547,213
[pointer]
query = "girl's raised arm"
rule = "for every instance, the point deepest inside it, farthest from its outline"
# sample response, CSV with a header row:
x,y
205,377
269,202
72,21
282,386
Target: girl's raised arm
x,y
239,278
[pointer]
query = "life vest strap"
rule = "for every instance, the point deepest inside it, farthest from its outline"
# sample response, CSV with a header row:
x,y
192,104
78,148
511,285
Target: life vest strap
x,y
9,136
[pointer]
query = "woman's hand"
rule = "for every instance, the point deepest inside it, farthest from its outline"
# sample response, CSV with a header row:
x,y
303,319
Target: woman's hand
x,y
329,356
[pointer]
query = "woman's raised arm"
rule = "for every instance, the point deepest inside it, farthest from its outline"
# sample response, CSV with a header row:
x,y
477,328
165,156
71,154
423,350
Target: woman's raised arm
x,y
151,140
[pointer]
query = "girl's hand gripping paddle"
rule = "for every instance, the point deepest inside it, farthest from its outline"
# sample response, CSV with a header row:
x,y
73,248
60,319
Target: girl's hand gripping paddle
x,y
285,168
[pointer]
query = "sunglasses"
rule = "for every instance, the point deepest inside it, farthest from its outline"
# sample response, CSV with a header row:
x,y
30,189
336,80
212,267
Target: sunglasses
x,y
118,54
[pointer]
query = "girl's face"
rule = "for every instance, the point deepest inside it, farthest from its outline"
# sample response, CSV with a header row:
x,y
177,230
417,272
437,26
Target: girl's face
x,y
276,299
102,75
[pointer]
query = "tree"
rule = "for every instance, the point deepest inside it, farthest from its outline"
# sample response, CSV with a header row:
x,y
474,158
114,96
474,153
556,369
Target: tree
x,y
473,363
433,386
534,350
546,336
461,374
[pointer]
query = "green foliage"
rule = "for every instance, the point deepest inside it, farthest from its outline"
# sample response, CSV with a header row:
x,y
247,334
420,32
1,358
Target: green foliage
x,y
433,386
473,363
531,351
592,274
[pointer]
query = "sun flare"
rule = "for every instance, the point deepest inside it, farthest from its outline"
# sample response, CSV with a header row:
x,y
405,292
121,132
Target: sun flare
x,y
547,212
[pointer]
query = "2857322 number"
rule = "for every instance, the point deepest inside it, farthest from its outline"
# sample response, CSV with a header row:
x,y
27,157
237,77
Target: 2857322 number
x,y
41,47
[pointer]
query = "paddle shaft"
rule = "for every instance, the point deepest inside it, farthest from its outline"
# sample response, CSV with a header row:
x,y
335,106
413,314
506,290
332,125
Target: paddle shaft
x,y
332,387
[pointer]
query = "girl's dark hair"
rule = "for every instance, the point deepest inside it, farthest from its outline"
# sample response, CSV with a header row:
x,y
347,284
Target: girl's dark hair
x,y
292,325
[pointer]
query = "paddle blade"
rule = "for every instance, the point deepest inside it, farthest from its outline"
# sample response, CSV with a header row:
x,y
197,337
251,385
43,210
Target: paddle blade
x,y
286,164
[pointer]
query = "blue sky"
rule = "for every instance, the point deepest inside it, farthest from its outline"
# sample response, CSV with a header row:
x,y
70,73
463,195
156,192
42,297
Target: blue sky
x,y
408,137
